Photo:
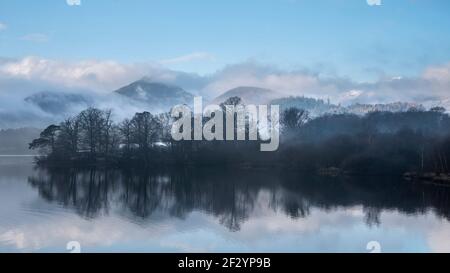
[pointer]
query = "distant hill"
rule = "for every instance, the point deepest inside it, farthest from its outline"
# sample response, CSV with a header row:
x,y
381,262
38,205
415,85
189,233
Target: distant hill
x,y
58,102
362,109
158,96
249,95
318,107
315,107
15,141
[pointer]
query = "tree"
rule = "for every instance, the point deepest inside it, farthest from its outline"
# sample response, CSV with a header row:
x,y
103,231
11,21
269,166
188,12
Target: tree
x,y
146,129
292,118
232,101
438,109
69,136
107,133
166,126
47,139
92,122
126,131
233,107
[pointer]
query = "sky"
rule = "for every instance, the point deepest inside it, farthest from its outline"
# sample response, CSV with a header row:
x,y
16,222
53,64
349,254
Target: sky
x,y
367,51
344,37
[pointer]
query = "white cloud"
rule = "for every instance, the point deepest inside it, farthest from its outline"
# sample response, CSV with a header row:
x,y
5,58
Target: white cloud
x,y
438,73
73,2
431,87
104,76
374,2
3,26
196,56
35,37
254,74
90,74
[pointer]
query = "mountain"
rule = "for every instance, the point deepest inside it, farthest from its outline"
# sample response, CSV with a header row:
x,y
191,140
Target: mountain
x,y
315,107
362,109
15,141
158,96
57,102
318,107
249,95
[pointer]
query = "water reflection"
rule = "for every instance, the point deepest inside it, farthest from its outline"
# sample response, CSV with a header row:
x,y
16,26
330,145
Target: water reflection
x,y
230,195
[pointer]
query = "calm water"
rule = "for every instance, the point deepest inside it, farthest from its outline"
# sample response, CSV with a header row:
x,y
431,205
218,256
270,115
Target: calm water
x,y
215,211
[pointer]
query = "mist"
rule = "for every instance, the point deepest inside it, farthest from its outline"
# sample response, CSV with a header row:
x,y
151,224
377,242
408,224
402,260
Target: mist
x,y
97,80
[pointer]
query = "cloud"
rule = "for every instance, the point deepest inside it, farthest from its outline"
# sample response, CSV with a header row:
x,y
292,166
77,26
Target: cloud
x,y
259,75
374,2
440,74
196,56
430,87
98,78
94,79
73,2
35,37
3,26
90,74
103,76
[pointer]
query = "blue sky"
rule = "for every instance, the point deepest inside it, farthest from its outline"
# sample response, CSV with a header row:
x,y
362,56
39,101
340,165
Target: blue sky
x,y
348,38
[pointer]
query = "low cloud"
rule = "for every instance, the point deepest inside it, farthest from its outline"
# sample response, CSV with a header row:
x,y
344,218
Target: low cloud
x,y
3,26
430,87
94,75
105,76
99,78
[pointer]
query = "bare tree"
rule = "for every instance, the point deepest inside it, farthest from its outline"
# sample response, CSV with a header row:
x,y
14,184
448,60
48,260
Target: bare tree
x,y
292,118
70,135
92,121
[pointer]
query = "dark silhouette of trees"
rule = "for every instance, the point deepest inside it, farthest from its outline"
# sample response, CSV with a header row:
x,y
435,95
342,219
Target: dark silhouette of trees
x,y
69,137
293,118
146,130
438,109
126,130
377,143
92,122
47,139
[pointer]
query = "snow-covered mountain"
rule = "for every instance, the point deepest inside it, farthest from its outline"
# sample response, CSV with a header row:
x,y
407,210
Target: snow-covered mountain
x,y
47,107
158,96
317,107
362,109
58,102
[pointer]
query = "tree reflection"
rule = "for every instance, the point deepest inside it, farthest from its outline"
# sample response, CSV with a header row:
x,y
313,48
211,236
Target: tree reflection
x,y
230,195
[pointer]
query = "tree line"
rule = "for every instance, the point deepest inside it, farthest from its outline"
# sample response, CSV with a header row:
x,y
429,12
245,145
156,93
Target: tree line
x,y
377,143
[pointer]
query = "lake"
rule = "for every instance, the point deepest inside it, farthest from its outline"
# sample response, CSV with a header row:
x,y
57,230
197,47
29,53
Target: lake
x,y
215,210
